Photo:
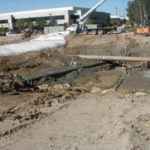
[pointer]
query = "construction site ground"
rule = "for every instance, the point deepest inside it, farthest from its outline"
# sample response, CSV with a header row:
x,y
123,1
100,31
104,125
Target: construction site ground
x,y
53,100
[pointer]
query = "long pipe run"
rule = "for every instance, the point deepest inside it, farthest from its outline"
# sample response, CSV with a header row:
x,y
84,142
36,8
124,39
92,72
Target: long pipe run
x,y
115,58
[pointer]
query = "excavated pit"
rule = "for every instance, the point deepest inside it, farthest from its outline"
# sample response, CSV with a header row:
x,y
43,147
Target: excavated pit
x,y
72,74
93,74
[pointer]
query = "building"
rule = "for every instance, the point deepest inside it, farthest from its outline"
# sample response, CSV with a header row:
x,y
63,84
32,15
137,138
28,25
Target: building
x,y
65,15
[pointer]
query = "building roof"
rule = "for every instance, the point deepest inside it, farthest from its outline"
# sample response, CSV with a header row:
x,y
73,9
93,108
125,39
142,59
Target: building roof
x,y
42,10
39,10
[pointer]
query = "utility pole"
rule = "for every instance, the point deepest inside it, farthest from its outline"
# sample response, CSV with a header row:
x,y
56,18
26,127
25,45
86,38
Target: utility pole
x,y
116,11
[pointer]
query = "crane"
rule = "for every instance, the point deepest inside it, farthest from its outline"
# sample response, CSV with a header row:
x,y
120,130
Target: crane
x,y
85,17
82,21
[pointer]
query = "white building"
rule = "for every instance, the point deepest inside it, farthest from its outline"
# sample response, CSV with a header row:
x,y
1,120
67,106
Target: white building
x,y
66,15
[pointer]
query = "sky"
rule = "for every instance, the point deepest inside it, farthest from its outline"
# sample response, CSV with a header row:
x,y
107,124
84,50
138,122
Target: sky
x,y
21,5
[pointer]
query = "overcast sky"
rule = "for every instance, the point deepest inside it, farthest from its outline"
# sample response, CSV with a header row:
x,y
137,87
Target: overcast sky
x,y
21,5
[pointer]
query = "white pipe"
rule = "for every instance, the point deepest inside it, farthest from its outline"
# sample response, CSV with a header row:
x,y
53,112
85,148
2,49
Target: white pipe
x,y
115,58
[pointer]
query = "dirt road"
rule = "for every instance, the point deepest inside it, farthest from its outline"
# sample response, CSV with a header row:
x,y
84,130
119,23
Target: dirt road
x,y
95,121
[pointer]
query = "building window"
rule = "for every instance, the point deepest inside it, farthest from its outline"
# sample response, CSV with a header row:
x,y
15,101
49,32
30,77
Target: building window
x,y
3,21
54,17
50,18
74,16
57,17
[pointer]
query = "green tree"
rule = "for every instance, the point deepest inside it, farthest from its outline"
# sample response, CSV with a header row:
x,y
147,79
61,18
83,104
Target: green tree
x,y
40,23
114,22
139,12
20,24
29,23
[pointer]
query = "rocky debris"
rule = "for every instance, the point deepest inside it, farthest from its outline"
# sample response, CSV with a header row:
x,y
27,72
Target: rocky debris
x,y
7,113
43,87
17,117
12,83
96,89
107,91
43,100
32,115
61,92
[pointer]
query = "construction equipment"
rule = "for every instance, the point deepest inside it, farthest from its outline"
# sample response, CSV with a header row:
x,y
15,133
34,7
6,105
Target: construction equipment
x,y
85,17
82,27
143,31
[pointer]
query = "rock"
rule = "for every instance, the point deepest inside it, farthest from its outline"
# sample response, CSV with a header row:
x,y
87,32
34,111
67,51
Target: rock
x,y
55,102
148,138
61,86
96,89
108,91
17,117
1,118
140,94
80,89
43,87
34,116
48,103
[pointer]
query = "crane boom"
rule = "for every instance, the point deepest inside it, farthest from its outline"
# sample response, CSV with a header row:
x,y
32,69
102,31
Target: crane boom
x,y
91,10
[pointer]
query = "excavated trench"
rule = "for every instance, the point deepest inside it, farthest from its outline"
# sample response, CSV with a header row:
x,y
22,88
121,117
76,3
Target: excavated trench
x,y
104,74
101,74
70,74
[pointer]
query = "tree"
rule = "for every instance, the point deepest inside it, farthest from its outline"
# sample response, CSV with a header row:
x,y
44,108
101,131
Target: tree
x,y
139,12
114,22
3,33
40,23
20,24
29,23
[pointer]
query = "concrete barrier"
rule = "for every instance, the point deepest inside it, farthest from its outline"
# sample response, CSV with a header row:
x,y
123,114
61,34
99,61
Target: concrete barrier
x,y
53,29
